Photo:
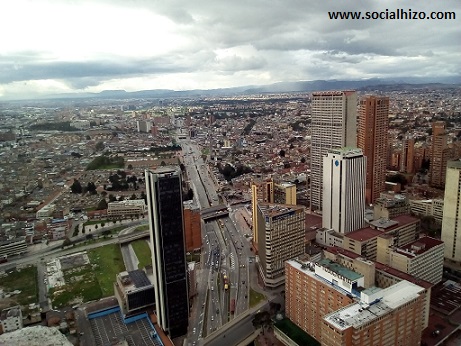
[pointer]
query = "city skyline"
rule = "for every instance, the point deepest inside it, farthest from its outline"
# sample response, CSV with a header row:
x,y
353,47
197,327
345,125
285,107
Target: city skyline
x,y
66,47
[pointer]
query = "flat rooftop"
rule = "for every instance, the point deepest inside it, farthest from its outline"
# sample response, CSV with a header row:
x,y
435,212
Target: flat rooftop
x,y
358,314
419,247
271,209
339,269
446,298
364,234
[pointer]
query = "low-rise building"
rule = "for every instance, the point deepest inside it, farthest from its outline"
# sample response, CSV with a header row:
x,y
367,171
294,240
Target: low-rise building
x,y
422,258
11,319
126,208
133,291
428,207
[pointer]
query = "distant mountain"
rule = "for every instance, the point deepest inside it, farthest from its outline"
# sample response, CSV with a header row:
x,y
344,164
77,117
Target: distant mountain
x,y
299,86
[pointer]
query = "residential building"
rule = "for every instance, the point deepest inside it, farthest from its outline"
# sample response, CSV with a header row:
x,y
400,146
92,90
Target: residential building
x,y
333,126
13,247
126,208
11,319
166,224
438,154
390,205
373,125
344,173
192,227
451,223
422,258
281,237
133,291
407,159
143,126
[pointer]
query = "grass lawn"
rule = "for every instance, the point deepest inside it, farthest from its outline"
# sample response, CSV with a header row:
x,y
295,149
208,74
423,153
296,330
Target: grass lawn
x,y
24,280
256,297
107,262
142,251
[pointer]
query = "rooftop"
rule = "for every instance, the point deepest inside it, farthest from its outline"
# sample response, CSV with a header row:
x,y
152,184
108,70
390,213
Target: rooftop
x,y
364,234
339,269
358,314
454,164
133,280
419,246
271,209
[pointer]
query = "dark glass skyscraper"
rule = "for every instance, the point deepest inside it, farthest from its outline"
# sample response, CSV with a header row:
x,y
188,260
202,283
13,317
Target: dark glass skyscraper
x,y
164,199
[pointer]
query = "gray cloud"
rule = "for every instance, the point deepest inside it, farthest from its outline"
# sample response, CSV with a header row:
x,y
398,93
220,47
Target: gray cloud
x,y
285,40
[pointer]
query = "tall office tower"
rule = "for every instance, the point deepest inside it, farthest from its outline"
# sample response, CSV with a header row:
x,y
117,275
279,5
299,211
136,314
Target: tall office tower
x,y
344,172
262,191
166,225
372,139
334,118
438,154
408,156
451,223
281,232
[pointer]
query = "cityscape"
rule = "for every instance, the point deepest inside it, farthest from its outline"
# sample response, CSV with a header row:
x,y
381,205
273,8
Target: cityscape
x,y
202,173
198,221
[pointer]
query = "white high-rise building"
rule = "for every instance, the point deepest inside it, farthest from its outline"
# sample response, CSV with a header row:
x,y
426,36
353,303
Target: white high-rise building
x,y
451,222
334,125
344,175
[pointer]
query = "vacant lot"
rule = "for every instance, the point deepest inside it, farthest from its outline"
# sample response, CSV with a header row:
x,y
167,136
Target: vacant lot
x,y
24,280
92,281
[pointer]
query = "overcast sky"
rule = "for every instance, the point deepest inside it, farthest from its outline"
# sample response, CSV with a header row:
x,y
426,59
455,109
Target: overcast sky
x,y
49,47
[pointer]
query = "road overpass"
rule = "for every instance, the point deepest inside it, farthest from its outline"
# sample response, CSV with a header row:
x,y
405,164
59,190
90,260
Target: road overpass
x,y
213,213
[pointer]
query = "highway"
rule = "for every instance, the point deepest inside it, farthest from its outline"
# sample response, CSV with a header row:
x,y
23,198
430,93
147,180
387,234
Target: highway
x,y
225,253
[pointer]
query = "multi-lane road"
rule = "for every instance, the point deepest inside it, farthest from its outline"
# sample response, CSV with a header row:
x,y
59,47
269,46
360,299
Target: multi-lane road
x,y
225,260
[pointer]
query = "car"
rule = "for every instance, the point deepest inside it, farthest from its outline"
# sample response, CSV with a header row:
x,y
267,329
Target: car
x,y
212,318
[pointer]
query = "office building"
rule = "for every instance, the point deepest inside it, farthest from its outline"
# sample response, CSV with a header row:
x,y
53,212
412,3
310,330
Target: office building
x,y
143,126
284,193
334,125
451,224
438,154
281,232
166,224
372,139
344,190
133,291
427,207
422,258
262,191
390,205
11,319
126,208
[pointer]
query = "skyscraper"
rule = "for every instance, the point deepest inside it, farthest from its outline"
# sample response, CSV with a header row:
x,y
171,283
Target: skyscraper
x,y
166,225
438,154
344,190
372,139
451,222
262,191
334,125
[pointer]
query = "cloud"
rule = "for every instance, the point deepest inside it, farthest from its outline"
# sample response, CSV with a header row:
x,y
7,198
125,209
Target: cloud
x,y
140,44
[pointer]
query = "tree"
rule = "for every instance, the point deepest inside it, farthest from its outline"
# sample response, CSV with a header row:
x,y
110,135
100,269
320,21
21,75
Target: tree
x,y
91,188
112,198
163,163
66,242
102,205
130,166
303,160
133,196
282,153
76,187
144,196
